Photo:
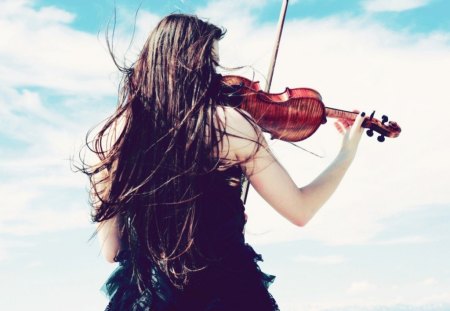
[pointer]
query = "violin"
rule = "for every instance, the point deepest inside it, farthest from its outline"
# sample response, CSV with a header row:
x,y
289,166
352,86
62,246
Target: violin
x,y
294,114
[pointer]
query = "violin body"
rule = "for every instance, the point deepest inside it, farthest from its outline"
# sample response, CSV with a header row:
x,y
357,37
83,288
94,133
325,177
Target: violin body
x,y
294,114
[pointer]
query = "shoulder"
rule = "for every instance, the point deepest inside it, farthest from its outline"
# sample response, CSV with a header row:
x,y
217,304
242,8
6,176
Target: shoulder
x,y
243,135
239,124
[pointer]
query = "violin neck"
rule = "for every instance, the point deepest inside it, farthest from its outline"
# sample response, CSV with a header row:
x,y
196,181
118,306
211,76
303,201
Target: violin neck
x,y
340,114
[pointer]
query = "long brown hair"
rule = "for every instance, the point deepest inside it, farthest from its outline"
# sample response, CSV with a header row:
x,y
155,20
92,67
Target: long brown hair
x,y
163,136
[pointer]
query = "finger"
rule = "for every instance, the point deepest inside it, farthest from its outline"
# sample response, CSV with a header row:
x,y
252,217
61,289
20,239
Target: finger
x,y
349,122
346,122
339,127
357,125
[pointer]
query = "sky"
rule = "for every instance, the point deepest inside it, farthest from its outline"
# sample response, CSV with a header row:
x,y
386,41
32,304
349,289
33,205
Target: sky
x,y
380,243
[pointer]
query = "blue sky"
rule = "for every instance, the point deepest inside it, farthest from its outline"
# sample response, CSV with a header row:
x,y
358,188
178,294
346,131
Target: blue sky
x,y
382,241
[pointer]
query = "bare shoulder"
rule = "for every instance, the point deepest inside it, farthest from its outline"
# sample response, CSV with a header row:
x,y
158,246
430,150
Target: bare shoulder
x,y
237,120
242,134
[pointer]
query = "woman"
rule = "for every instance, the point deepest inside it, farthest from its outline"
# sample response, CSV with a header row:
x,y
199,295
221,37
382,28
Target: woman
x,y
166,191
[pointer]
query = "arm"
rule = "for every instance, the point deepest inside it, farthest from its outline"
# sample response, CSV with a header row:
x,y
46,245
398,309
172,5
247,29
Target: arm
x,y
274,184
110,236
109,231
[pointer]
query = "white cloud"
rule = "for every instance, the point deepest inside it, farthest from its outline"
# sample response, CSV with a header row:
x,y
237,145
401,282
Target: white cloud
x,y
39,48
49,14
404,240
43,220
31,206
368,295
393,6
53,14
3,253
35,169
9,246
430,281
360,287
321,260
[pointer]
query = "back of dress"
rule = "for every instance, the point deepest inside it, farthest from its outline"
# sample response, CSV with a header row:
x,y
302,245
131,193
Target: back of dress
x,y
232,279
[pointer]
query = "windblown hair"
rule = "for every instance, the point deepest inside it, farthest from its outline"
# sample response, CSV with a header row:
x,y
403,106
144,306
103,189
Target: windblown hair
x,y
162,137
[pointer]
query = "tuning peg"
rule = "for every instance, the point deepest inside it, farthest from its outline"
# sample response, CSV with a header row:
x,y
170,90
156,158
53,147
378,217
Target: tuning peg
x,y
372,115
380,138
384,119
369,133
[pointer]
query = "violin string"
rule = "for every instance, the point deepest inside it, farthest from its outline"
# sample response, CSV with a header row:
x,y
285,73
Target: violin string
x,y
304,149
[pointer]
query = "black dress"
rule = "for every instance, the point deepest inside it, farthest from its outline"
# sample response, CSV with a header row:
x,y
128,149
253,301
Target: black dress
x,y
233,283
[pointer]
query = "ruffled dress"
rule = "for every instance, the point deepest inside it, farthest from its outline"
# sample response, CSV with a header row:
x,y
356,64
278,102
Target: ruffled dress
x,y
235,282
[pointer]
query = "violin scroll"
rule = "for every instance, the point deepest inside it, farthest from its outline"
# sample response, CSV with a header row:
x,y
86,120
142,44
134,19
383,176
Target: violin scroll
x,y
391,129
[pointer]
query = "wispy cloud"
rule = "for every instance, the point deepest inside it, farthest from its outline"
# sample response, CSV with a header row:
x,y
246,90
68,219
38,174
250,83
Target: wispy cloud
x,y
39,48
360,287
404,240
35,175
9,246
321,260
393,6
430,281
366,295
31,206
3,252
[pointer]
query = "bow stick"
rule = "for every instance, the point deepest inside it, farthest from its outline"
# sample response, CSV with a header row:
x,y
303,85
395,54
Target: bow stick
x,y
246,184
